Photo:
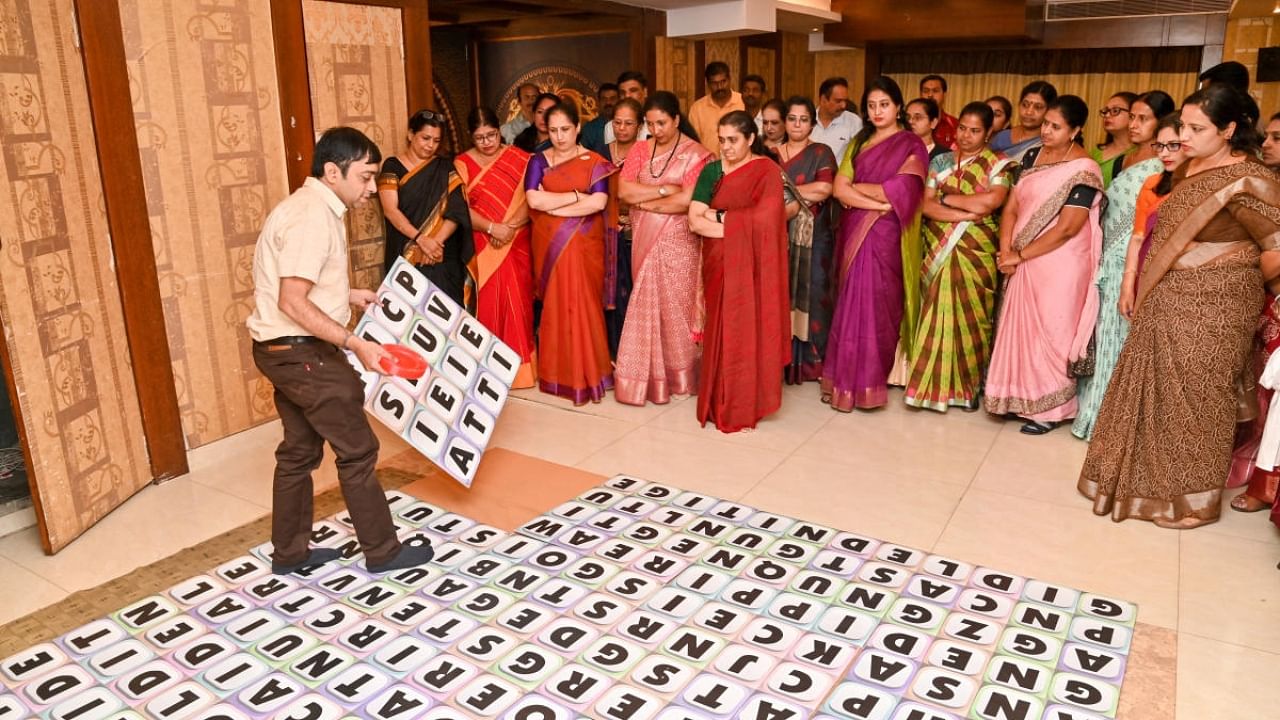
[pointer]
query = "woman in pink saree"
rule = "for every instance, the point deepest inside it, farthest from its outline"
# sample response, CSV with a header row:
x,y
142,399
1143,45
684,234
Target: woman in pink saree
x,y
658,355
1050,247
881,185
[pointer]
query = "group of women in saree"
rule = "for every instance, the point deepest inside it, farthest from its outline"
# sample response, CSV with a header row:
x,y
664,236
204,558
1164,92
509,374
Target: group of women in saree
x,y
1137,324
1018,272
584,238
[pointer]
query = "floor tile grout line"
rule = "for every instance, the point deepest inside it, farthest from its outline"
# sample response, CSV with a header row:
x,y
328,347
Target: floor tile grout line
x,y
57,585
790,454
969,486
1228,642
578,465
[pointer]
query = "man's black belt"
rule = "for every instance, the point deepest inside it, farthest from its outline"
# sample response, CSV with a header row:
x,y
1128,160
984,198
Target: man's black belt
x,y
290,340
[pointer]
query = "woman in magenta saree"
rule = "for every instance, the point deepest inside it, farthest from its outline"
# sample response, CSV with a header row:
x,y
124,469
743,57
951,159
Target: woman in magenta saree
x,y
881,184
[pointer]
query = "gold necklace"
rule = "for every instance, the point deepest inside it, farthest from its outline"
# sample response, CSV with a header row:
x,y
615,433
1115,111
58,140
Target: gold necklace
x,y
556,159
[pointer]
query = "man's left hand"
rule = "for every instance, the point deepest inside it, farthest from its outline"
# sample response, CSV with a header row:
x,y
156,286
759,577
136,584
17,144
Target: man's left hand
x,y
362,298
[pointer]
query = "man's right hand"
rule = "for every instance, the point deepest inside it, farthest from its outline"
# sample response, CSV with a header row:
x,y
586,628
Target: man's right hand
x,y
370,353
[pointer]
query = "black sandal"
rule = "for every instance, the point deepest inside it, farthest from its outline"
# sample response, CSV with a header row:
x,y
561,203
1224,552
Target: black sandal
x,y
1031,427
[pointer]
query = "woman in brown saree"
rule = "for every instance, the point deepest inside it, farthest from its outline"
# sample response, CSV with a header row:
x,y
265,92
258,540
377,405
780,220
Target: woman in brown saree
x,y
1162,443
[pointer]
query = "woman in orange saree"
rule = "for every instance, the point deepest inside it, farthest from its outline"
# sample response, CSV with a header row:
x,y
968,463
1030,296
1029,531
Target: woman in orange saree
x,y
737,208
493,174
567,188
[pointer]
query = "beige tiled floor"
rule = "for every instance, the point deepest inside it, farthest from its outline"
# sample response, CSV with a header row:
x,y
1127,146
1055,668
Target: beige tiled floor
x,y
964,485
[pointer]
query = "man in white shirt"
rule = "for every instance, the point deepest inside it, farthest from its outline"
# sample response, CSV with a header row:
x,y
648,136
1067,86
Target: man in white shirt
x,y
835,126
631,84
526,94
302,301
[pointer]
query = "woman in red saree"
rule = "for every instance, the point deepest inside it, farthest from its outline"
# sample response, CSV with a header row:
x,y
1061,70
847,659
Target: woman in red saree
x,y
567,188
737,208
493,174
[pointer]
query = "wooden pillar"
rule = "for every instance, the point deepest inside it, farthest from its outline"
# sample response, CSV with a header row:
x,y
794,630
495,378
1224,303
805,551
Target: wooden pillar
x,y
125,198
295,91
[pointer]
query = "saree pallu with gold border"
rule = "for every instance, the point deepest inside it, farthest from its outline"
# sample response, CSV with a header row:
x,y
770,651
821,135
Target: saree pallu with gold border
x,y
1161,448
871,295
958,280
503,275
1050,303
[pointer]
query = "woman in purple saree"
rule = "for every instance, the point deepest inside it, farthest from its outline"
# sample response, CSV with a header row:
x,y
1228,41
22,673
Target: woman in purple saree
x,y
881,185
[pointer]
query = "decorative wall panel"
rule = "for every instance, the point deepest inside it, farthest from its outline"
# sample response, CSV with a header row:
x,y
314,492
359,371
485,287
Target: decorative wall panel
x,y
355,61
676,71
59,299
205,105
848,64
725,50
1244,38
797,67
451,75
762,62
571,67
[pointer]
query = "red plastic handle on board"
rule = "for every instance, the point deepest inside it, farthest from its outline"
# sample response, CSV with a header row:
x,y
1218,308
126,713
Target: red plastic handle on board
x,y
404,362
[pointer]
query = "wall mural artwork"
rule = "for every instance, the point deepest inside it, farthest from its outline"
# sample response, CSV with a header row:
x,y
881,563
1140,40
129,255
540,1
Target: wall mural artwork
x,y
572,68
355,62
569,83
206,110
59,298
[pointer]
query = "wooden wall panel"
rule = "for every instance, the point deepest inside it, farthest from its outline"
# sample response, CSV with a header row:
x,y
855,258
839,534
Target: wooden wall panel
x,y
677,69
849,64
59,300
356,67
725,50
1244,37
763,62
797,67
207,114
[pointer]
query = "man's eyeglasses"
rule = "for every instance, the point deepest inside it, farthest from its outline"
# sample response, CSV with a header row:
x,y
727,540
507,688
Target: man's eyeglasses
x,y
1160,147
1107,112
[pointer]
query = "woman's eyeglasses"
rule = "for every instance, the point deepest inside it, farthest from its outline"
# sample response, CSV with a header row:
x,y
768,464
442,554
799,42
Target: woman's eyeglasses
x,y
1107,112
486,137
1160,147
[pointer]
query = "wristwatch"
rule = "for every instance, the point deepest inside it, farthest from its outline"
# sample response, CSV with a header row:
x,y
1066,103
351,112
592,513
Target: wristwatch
x,y
662,191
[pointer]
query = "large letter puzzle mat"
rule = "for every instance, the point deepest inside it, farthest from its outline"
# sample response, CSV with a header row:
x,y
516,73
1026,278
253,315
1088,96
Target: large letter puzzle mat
x,y
448,414
635,601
